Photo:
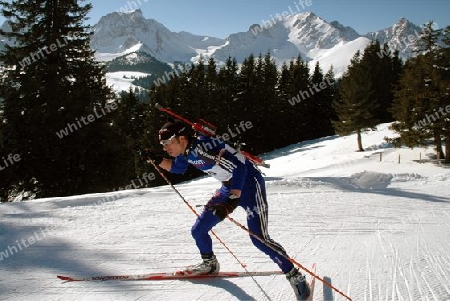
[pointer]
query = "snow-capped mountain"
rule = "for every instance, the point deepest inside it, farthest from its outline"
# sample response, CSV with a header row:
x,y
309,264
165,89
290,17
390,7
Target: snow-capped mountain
x,y
305,34
401,36
122,33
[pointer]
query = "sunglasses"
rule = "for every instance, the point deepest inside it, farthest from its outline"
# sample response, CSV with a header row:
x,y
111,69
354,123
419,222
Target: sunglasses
x,y
166,141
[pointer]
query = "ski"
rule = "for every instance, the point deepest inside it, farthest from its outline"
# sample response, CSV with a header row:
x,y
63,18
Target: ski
x,y
169,276
205,128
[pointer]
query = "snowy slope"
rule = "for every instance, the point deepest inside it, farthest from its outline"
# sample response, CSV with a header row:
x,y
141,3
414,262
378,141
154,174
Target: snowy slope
x,y
122,80
377,231
338,57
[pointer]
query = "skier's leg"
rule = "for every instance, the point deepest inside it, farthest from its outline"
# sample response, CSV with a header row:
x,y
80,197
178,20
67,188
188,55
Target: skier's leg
x,y
209,265
200,232
255,203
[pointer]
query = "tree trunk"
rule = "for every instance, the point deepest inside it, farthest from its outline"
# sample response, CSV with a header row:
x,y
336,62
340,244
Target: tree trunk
x,y
447,150
438,143
358,135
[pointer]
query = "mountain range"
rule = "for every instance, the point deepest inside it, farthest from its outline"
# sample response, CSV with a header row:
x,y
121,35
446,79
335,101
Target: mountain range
x,y
129,39
315,39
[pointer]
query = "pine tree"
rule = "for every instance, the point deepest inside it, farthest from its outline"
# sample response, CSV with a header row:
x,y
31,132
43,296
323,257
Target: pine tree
x,y
227,82
356,107
367,90
428,47
384,73
410,106
52,83
422,95
213,100
284,89
320,102
284,93
271,106
198,90
247,95
443,68
330,95
428,40
6,178
295,86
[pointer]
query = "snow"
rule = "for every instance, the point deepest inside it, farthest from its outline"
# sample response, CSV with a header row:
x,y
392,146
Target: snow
x,y
122,80
378,230
339,56
106,56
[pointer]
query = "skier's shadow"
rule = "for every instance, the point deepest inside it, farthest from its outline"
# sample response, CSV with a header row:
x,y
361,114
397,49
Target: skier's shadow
x,y
227,285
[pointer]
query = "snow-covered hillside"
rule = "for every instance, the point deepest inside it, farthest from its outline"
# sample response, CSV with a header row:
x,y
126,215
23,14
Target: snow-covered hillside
x,y
122,80
377,230
337,57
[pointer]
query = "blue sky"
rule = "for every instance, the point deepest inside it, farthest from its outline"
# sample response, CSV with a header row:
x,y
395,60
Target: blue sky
x,y
221,18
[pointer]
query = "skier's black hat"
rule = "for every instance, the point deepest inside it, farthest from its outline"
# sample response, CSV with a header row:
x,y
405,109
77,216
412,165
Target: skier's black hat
x,y
173,129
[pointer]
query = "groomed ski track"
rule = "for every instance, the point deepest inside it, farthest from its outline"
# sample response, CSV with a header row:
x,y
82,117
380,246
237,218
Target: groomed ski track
x,y
377,231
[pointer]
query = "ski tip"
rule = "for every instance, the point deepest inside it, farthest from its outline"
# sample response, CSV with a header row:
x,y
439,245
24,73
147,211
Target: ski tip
x,y
65,278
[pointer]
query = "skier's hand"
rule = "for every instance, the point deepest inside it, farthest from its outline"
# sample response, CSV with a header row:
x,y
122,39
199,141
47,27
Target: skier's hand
x,y
235,192
148,155
221,210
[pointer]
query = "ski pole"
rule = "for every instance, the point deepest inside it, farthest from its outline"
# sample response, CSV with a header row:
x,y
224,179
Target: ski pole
x,y
243,265
262,240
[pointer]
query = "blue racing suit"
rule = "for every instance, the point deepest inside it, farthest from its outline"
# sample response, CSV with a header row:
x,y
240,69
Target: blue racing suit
x,y
214,157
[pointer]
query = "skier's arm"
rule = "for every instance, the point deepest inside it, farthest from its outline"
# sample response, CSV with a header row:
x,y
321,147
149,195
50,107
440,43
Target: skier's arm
x,y
166,164
238,173
178,165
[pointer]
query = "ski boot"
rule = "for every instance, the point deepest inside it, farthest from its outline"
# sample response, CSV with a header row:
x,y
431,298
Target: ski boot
x,y
299,284
209,266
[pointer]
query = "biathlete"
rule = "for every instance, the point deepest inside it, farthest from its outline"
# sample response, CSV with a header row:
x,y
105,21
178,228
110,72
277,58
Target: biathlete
x,y
242,185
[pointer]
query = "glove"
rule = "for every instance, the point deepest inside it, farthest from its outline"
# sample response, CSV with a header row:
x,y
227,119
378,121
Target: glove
x,y
148,155
221,210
